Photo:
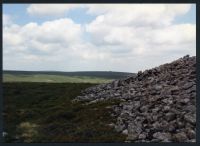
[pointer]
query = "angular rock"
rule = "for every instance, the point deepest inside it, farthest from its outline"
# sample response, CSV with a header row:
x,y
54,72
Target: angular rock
x,y
125,132
170,116
162,136
157,105
191,133
190,118
142,136
180,137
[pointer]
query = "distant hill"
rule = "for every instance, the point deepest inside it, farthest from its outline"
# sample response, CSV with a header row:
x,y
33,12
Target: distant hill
x,y
96,74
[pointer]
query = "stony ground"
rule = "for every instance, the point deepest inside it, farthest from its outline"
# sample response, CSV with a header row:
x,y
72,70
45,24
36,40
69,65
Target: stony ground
x,y
157,105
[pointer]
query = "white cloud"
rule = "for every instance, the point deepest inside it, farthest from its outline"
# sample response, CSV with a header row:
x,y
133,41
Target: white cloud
x,y
45,37
142,28
33,45
175,34
137,14
50,9
131,12
50,44
120,38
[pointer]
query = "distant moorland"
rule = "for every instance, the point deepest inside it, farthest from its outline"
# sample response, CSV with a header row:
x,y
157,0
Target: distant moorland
x,y
62,77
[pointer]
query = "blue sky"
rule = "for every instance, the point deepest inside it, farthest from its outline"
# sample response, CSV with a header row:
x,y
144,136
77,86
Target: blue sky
x,y
20,16
96,37
190,17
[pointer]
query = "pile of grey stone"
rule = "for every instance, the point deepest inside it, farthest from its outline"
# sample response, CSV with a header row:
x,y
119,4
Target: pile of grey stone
x,y
157,105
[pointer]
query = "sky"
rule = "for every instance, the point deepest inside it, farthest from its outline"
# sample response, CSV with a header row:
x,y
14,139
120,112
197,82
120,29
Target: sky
x,y
96,37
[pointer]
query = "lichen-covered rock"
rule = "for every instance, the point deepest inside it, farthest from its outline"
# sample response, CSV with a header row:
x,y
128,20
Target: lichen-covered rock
x,y
157,105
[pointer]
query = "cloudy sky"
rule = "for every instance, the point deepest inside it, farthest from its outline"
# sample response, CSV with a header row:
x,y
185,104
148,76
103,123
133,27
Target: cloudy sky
x,y
102,37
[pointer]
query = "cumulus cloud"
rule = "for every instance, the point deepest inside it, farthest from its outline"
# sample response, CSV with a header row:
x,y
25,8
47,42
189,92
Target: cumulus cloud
x,y
50,9
40,43
138,14
50,44
142,28
45,37
121,38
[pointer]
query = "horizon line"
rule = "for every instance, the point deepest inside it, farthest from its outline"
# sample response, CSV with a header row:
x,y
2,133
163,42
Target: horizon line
x,y
61,71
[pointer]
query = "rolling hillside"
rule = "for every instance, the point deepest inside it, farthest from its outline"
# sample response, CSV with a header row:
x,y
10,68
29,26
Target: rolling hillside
x,y
62,77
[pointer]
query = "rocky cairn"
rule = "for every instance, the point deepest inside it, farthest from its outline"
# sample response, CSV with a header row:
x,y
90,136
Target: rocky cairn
x,y
157,105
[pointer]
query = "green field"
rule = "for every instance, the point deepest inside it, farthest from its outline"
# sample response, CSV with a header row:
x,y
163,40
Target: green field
x,y
43,112
52,78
